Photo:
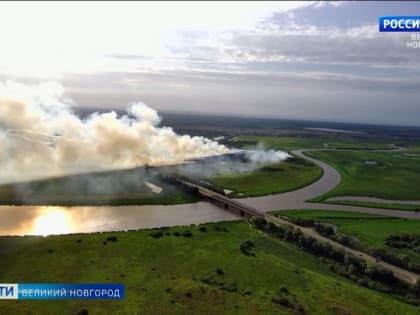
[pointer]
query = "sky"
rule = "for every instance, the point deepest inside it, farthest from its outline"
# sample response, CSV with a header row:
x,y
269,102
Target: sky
x,y
298,60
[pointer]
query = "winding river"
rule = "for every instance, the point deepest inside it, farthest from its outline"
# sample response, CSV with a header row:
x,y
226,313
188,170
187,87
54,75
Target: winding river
x,y
45,220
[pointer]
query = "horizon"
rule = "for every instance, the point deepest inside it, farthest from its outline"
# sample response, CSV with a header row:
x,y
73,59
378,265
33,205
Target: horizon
x,y
319,61
252,116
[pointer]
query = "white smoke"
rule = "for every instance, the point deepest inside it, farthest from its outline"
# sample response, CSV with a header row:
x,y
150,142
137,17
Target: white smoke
x,y
261,156
40,136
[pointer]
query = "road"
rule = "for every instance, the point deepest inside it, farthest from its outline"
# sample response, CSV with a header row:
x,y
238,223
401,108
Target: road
x,y
400,273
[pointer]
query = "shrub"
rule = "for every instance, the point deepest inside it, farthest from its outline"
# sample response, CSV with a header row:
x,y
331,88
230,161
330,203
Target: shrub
x,y
354,263
380,274
416,287
246,248
111,238
302,221
157,234
362,282
282,301
187,234
324,229
284,289
229,287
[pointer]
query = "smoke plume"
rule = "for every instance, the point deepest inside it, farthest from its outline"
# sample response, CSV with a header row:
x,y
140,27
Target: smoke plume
x,y
41,136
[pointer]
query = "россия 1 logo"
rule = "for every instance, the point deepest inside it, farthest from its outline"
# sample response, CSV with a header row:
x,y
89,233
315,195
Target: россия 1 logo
x,y
402,24
399,24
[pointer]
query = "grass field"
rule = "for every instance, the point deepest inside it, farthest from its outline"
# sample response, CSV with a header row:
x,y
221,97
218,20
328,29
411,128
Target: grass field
x,y
390,206
394,177
294,143
202,274
371,230
286,176
413,148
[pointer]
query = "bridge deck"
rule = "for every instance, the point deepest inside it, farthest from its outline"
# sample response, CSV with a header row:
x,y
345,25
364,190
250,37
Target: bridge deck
x,y
232,204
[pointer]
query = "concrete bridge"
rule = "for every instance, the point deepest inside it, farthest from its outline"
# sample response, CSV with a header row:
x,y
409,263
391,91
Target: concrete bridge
x,y
221,200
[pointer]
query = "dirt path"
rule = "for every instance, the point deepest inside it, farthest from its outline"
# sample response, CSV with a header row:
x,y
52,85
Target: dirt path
x,y
400,273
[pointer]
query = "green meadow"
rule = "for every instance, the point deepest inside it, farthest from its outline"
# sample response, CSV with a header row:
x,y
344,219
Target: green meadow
x,y
187,270
394,176
290,175
295,143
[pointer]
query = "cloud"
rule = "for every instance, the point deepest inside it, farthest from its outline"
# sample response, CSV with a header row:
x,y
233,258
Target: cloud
x,y
305,44
262,59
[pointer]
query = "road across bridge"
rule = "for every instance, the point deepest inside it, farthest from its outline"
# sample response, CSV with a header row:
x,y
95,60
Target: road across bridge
x,y
221,200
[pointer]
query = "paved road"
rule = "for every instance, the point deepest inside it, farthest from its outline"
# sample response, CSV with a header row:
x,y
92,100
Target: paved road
x,y
297,199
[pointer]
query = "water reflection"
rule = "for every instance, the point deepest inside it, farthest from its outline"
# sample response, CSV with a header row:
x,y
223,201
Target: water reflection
x,y
46,220
52,221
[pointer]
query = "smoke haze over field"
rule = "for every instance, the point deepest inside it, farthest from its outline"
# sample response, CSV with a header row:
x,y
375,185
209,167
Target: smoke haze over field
x,y
40,136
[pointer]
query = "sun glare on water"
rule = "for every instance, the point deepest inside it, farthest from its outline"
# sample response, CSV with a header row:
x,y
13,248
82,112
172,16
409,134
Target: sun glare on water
x,y
52,221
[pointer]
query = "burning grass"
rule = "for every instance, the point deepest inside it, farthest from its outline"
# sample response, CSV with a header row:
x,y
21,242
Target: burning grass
x,y
289,175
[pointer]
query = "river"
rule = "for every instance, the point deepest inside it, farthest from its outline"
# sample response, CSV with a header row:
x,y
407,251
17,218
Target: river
x,y
46,220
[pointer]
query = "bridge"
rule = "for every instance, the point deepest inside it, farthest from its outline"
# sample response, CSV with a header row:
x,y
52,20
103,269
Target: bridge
x,y
219,199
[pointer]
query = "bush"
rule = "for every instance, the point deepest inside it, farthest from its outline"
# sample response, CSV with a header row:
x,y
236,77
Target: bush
x,y
355,264
380,274
347,241
302,221
187,234
282,301
284,289
246,248
157,234
111,238
411,241
229,287
324,229
363,282
416,287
